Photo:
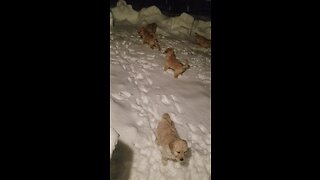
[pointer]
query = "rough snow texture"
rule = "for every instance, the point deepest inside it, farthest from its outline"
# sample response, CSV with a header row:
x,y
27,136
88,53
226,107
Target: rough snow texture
x,y
183,25
141,92
113,140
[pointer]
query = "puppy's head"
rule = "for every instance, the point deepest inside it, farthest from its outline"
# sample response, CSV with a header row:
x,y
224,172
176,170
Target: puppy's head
x,y
169,51
179,149
153,26
141,31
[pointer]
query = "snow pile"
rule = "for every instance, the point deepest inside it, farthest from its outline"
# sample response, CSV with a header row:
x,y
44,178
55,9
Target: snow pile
x,y
113,140
183,25
150,15
202,27
141,91
124,12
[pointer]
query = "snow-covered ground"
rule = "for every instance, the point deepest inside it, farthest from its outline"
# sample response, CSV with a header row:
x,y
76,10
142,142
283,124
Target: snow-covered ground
x,y
141,92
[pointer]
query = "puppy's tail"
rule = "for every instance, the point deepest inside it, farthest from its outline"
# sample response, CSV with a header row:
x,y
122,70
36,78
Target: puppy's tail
x,y
166,116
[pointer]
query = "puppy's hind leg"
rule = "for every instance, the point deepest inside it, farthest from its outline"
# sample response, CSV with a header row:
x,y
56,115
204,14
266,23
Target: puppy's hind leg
x,y
166,67
176,74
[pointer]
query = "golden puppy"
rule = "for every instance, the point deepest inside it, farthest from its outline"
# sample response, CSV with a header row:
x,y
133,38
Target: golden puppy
x,y
151,28
202,41
150,39
173,63
171,146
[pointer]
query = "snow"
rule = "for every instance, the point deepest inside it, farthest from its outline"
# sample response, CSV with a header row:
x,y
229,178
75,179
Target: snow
x,y
124,12
141,91
150,15
184,25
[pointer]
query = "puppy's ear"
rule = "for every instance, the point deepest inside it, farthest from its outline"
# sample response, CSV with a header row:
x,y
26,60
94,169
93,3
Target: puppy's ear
x,y
171,145
185,142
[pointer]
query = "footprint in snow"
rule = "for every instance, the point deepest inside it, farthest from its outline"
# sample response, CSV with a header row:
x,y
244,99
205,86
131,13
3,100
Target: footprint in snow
x,y
202,128
144,99
149,81
147,66
150,57
192,127
165,100
139,76
143,88
142,61
176,104
121,95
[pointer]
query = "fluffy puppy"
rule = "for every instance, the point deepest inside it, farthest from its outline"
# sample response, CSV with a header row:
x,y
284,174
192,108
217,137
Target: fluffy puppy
x,y
171,146
150,39
173,63
202,41
151,28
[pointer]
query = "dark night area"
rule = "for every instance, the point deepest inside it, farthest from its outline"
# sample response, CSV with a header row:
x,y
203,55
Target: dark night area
x,y
56,90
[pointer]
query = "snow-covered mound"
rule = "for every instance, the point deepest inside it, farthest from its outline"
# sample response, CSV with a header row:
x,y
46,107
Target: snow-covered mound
x,y
183,25
113,140
150,15
124,12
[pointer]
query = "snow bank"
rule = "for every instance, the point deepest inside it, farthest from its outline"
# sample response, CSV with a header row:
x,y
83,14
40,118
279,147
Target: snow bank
x,y
150,15
124,12
113,140
180,25
202,27
183,25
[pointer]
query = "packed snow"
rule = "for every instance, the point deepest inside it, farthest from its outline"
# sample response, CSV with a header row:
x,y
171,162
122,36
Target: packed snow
x,y
141,91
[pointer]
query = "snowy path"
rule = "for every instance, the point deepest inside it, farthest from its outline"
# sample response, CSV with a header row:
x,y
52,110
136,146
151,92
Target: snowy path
x,y
141,92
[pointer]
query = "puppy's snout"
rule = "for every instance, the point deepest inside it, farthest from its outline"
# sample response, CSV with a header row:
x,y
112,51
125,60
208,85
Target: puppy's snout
x,y
181,159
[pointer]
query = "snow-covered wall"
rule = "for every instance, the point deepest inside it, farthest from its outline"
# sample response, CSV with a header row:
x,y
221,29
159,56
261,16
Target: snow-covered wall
x,y
184,24
113,140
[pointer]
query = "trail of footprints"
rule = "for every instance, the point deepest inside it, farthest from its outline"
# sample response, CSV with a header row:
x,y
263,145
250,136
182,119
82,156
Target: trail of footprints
x,y
146,110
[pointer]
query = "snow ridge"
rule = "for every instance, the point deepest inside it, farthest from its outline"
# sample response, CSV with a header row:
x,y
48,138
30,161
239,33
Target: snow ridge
x,y
183,25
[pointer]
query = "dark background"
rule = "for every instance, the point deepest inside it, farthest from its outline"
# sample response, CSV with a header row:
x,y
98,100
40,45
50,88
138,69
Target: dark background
x,y
54,122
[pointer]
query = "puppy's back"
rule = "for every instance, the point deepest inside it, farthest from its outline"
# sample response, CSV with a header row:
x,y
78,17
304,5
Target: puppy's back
x,y
165,131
